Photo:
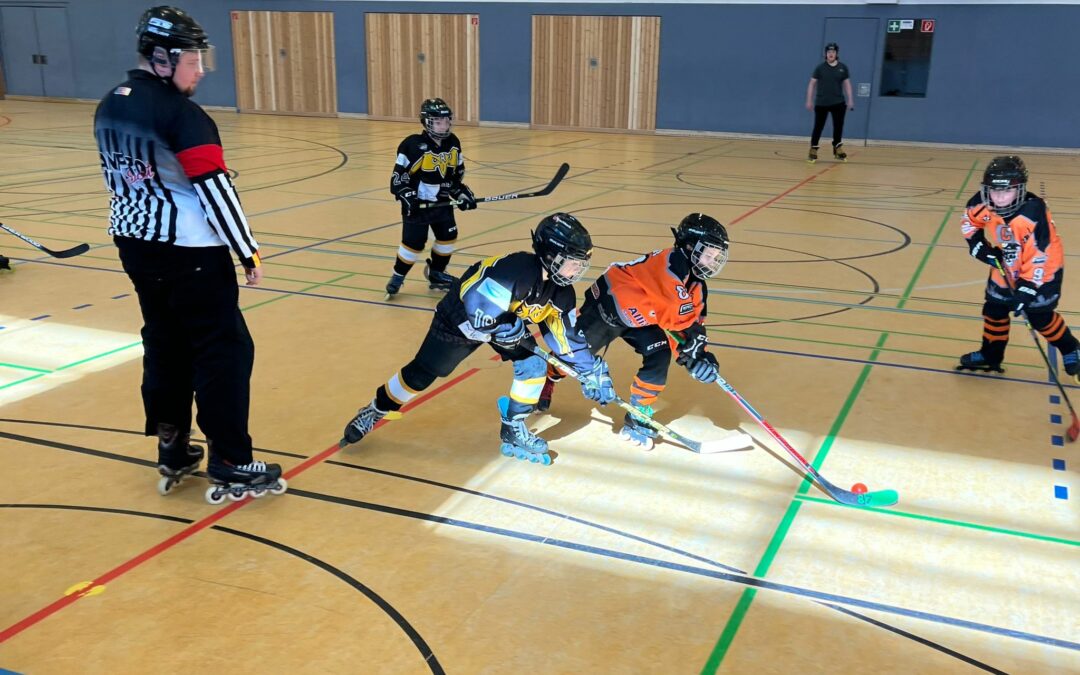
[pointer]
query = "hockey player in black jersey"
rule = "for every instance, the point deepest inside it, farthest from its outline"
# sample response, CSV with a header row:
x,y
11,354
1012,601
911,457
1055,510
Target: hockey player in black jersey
x,y
175,217
429,168
491,303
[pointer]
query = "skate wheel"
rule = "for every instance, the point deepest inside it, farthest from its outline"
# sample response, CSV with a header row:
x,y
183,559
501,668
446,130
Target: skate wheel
x,y
545,460
164,485
534,458
258,494
214,497
506,450
235,496
280,488
520,454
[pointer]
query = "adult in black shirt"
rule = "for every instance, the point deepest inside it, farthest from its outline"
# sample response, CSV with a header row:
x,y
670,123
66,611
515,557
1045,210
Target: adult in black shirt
x,y
829,86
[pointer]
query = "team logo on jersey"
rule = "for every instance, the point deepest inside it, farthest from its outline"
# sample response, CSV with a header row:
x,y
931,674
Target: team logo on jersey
x,y
535,313
1010,252
682,292
133,170
440,162
686,308
122,91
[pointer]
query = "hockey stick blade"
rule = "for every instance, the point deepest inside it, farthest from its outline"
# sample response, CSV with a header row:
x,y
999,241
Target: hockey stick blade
x,y
548,189
67,253
876,498
671,434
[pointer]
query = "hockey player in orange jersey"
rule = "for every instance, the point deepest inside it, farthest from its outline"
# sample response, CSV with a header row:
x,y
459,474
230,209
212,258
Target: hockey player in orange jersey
x,y
640,300
1005,223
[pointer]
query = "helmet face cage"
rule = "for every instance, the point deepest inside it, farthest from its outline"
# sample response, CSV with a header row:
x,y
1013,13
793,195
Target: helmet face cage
x,y
566,269
708,258
433,109
1005,173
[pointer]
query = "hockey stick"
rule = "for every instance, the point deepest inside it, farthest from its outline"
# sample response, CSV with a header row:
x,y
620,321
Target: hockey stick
x,y
702,448
555,180
876,498
1073,431
68,253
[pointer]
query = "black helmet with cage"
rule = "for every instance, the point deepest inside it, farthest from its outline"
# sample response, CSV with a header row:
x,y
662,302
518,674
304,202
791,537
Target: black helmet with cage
x,y
164,33
433,109
1005,172
564,247
696,235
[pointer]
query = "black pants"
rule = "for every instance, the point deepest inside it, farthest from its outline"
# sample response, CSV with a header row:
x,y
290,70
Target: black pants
x,y
414,235
820,113
195,341
443,349
651,342
1040,313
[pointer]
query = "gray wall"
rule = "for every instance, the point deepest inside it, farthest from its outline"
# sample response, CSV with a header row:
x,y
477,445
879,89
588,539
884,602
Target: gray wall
x,y
1000,74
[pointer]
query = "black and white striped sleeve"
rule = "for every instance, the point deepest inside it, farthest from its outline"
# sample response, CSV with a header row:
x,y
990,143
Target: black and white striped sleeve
x,y
226,215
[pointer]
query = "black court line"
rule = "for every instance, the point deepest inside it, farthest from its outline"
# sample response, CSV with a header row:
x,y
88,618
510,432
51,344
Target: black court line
x,y
672,549
403,623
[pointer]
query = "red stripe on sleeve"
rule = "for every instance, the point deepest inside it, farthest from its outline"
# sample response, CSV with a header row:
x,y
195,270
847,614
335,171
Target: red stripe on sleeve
x,y
201,160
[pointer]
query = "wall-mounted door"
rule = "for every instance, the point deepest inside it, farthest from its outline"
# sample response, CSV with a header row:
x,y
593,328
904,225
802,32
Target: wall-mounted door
x,y
37,51
285,62
412,57
595,72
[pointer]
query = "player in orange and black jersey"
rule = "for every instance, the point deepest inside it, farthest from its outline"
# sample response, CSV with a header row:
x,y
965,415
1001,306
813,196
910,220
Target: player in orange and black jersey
x,y
639,301
429,168
1003,223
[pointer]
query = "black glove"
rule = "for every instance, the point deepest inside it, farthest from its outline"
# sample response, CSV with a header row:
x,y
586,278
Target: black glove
x,y
462,193
1024,294
693,344
408,200
984,252
512,335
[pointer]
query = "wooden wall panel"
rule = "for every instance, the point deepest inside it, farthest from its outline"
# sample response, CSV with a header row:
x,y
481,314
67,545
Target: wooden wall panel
x,y
285,62
412,57
595,72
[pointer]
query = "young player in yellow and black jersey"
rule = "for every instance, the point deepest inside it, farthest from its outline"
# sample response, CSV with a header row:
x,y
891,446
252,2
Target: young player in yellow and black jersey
x,y
492,302
429,168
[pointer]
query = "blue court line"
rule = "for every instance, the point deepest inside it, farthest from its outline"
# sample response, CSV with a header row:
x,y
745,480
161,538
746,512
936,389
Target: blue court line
x,y
1055,419
83,306
1061,492
1057,441
743,579
1055,399
122,295
1059,465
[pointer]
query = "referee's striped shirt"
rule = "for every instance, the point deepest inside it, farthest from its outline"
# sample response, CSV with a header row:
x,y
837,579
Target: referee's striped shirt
x,y
163,163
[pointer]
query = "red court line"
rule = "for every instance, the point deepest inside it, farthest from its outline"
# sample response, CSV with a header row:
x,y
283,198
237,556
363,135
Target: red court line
x,y
783,194
43,613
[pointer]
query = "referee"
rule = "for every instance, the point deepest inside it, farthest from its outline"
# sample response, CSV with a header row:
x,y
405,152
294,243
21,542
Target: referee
x,y
175,217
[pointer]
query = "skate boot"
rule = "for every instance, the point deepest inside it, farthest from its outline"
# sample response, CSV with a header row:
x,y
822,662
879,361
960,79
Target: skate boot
x,y
838,152
5,264
636,431
812,157
975,361
362,424
177,458
1071,361
394,285
236,482
437,281
545,395
517,440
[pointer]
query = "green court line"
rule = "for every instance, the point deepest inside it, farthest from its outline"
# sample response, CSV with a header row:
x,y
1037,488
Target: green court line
x,y
731,628
945,521
25,379
16,366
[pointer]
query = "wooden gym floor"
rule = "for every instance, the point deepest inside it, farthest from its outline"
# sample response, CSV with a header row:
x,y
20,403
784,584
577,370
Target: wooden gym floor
x,y
847,301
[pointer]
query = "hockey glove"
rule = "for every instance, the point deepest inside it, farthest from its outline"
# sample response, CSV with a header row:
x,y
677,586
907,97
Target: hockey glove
x,y
704,369
408,200
1023,295
510,336
462,193
597,385
985,253
693,344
